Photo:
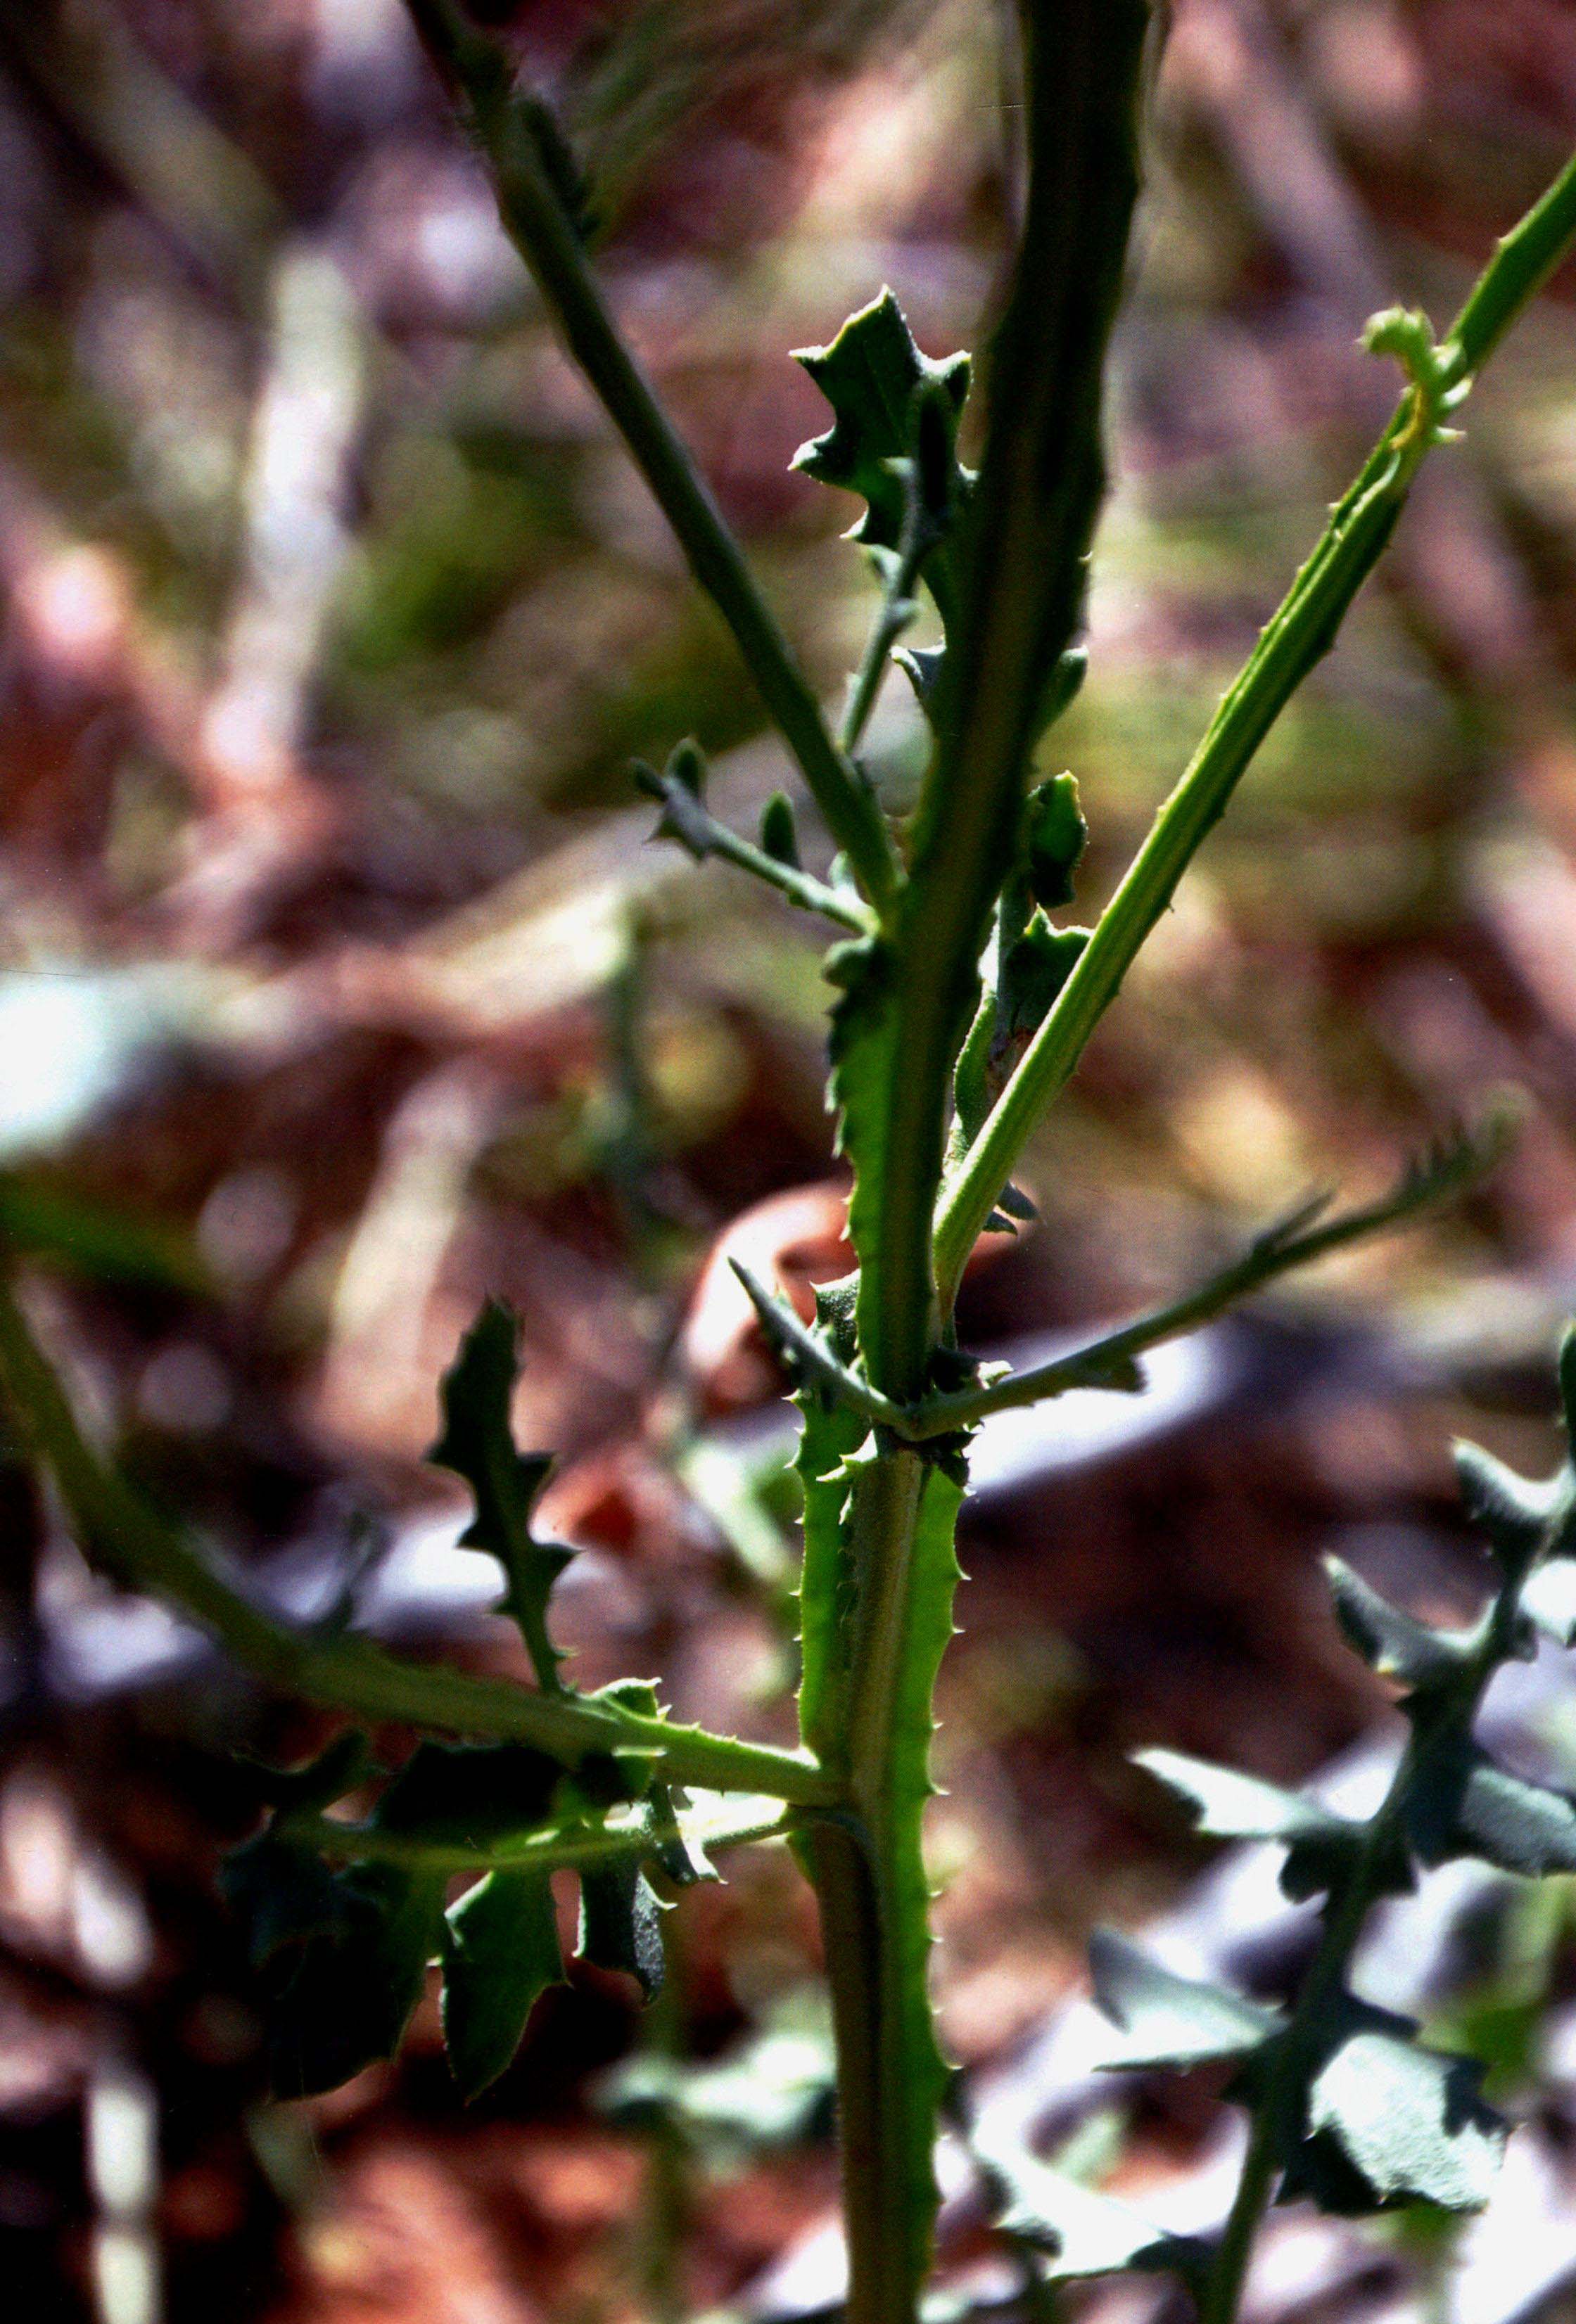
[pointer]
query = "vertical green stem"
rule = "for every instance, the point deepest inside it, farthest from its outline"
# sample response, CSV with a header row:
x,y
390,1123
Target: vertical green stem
x,y
868,1871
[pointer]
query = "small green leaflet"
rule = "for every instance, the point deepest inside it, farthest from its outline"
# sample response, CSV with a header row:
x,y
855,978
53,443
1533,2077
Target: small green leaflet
x,y
1080,2232
1054,837
1463,1805
868,374
1166,2020
477,1443
779,831
1394,1643
621,1923
1513,1513
500,1952
343,1994
1407,2123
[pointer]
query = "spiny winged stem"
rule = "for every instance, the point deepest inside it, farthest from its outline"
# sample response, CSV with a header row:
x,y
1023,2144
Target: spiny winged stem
x,y
908,995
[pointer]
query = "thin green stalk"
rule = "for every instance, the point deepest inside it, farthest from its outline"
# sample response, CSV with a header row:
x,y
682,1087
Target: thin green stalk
x,y
897,613
800,888
701,834
513,133
569,1849
1110,1360
1297,636
120,1532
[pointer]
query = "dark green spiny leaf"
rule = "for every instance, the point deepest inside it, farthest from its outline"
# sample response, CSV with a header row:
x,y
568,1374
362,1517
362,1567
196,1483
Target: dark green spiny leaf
x,y
500,1952
477,1443
470,1794
868,374
347,1991
1462,1804
1409,2122
1513,1513
1080,2232
1391,1642
318,1783
621,1923
281,1895
1168,2020
1228,1805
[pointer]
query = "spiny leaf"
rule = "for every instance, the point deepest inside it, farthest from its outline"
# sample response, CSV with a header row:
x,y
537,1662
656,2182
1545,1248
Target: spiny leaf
x,y
1407,2121
681,789
500,1952
868,374
1169,2020
1080,2232
621,1923
1055,836
477,1443
1391,1642
1228,1805
1463,1805
1515,1513
346,1991
1231,1806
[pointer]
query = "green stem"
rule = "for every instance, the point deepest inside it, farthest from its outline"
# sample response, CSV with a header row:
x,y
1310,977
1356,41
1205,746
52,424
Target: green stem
x,y
703,835
122,1535
568,1849
1031,516
1109,1361
512,132
868,1872
1222,2290
1298,635
897,613
800,888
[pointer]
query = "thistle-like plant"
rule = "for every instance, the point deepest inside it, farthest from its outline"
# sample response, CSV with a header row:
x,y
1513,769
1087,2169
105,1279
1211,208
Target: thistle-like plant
x,y
961,1010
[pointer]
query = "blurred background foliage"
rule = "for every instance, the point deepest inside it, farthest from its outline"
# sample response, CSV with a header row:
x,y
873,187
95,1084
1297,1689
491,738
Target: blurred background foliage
x,y
338,986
